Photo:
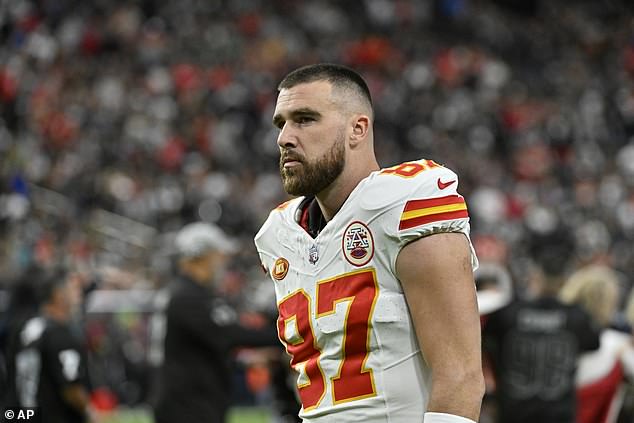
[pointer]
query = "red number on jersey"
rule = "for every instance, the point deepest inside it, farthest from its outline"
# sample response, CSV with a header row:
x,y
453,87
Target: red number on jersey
x,y
359,288
302,347
410,169
353,381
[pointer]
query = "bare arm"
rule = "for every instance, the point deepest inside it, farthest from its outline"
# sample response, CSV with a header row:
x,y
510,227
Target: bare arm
x,y
435,272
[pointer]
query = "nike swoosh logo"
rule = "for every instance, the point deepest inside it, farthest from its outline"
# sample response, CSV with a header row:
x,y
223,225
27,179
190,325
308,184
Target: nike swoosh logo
x,y
443,185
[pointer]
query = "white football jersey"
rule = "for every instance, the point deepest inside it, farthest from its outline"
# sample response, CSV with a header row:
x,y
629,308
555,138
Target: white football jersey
x,y
343,316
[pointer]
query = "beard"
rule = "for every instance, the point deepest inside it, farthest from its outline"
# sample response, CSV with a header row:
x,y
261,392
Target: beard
x,y
310,178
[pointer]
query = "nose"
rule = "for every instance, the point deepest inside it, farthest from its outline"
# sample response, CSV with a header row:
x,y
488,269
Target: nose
x,y
286,138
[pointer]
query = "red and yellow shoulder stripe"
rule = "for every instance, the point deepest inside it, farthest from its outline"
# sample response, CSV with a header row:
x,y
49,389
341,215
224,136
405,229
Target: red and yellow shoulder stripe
x,y
421,212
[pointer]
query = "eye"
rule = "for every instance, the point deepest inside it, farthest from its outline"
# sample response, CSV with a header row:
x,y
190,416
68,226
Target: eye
x,y
304,119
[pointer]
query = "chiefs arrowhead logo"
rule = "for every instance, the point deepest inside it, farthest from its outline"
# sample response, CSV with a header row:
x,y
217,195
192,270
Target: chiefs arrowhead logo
x,y
443,185
358,244
280,269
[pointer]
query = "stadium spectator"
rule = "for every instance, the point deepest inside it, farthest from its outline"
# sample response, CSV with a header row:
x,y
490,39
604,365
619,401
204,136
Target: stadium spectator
x,y
150,112
601,374
392,245
201,329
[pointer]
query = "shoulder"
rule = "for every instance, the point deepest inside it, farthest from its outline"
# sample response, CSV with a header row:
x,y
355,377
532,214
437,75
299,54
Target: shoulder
x,y
413,200
577,312
416,199
32,330
284,214
506,313
415,180
616,339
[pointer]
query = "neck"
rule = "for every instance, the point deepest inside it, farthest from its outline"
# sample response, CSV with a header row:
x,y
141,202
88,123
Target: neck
x,y
332,198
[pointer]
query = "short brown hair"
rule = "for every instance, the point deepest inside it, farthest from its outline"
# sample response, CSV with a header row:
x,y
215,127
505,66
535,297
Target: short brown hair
x,y
338,75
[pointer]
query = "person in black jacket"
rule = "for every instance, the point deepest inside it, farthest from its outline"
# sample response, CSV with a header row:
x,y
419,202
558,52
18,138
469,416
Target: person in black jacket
x,y
201,330
23,305
49,358
534,345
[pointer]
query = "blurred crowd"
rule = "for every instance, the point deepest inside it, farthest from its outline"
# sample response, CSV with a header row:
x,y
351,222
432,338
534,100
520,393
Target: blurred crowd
x,y
120,121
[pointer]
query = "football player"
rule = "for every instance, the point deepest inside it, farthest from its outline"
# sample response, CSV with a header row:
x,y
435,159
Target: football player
x,y
372,267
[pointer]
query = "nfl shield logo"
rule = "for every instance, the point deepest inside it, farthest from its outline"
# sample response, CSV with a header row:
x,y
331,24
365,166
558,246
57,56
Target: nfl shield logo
x,y
313,254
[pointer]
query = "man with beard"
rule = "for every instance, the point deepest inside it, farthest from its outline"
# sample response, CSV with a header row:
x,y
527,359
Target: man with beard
x,y
372,267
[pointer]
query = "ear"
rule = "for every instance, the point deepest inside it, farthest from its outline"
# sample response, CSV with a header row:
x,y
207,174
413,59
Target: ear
x,y
360,129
